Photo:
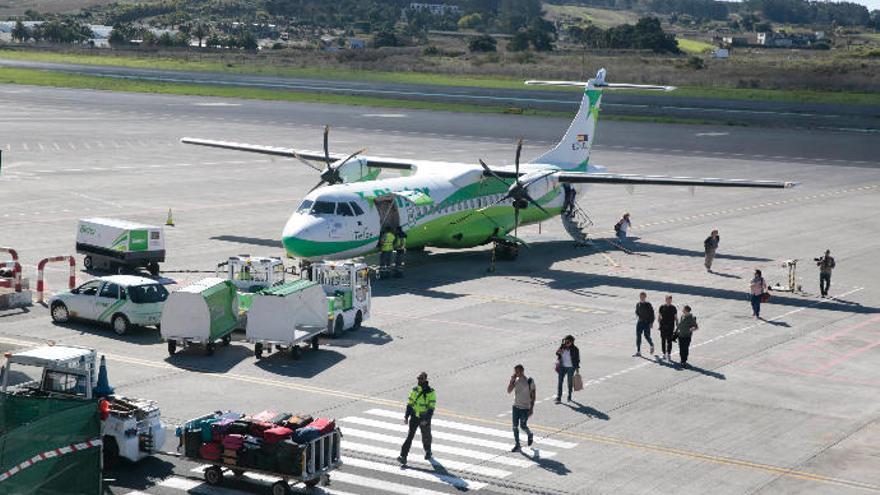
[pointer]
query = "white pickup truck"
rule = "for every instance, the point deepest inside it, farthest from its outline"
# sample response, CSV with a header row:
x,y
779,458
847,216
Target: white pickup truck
x,y
131,428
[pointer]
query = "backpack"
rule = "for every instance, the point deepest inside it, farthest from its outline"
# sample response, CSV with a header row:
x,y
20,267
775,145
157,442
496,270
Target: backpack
x,y
708,242
617,226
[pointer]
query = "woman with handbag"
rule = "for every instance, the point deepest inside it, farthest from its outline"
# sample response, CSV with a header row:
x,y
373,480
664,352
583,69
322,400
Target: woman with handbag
x,y
757,293
568,362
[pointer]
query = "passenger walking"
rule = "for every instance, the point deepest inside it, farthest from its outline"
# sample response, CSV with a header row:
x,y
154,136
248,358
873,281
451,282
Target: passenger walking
x,y
687,325
622,227
668,318
645,315
386,248
568,362
826,264
757,293
523,389
711,245
399,251
419,410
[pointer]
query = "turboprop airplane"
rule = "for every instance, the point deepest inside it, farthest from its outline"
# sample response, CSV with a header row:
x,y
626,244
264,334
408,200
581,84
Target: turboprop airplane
x,y
453,205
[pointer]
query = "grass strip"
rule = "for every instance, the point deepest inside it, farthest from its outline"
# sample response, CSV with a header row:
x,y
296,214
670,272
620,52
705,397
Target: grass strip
x,y
259,67
63,80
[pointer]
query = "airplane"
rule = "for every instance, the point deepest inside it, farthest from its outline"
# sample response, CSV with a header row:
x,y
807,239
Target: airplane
x,y
453,205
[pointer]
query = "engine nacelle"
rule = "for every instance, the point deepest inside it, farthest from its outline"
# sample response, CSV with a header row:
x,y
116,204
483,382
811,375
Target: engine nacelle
x,y
539,183
356,170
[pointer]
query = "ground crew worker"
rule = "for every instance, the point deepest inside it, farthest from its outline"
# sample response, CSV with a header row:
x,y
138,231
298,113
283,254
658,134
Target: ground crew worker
x,y
399,251
826,264
245,273
386,248
419,410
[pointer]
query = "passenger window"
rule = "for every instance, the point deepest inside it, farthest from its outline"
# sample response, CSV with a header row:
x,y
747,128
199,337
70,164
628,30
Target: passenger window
x,y
110,290
344,210
357,209
89,288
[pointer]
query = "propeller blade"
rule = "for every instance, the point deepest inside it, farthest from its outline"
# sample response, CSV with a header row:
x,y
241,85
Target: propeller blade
x,y
327,145
356,153
490,172
515,221
532,201
306,162
319,184
518,151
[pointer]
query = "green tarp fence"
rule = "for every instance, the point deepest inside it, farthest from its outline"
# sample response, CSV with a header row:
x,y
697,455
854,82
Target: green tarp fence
x,y
30,426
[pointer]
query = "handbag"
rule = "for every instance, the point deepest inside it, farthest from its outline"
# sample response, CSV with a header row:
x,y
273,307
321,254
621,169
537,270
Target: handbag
x,y
578,382
558,366
765,297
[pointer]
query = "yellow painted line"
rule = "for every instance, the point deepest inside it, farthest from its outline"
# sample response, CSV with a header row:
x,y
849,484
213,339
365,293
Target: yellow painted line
x,y
610,260
589,437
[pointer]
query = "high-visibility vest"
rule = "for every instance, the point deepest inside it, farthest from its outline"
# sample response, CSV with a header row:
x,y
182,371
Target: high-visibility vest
x,y
387,242
421,401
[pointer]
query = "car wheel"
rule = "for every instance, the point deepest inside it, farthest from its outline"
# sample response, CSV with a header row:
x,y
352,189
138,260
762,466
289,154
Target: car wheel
x,y
226,339
358,319
338,326
280,488
60,314
88,263
153,268
172,347
120,324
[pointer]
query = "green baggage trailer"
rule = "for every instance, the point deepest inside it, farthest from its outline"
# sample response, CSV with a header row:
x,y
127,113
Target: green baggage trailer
x,y
201,313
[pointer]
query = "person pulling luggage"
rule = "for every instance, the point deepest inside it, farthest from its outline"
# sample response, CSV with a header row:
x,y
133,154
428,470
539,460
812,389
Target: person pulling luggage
x,y
419,410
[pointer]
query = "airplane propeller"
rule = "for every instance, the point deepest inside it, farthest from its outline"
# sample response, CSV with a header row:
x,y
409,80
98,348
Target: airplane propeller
x,y
518,191
331,174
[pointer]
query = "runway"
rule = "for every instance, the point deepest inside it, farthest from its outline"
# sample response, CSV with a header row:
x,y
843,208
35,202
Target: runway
x,y
785,405
800,115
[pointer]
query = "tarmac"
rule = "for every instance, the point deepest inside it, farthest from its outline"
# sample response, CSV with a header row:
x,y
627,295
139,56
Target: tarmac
x,y
784,405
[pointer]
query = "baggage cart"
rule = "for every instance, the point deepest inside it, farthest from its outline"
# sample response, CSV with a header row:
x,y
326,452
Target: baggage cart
x,y
202,313
118,246
285,316
320,457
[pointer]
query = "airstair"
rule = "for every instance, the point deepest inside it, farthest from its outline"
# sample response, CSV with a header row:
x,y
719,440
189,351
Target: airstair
x,y
576,223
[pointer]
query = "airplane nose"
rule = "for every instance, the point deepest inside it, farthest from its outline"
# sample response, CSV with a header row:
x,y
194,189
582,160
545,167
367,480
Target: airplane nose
x,y
302,235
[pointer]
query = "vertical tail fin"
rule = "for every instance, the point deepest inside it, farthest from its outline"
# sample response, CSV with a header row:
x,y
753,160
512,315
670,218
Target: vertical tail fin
x,y
573,151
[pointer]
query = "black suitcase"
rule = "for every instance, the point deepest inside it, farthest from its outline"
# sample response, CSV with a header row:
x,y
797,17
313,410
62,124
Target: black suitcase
x,y
192,442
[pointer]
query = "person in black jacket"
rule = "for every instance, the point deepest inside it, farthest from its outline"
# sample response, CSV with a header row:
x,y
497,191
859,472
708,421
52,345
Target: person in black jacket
x,y
645,315
568,362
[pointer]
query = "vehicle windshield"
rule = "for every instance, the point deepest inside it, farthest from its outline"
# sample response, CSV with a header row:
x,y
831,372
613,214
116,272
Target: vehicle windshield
x,y
151,293
23,376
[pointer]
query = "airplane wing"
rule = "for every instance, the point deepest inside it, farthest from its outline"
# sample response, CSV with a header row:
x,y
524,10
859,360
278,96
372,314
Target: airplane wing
x,y
664,180
378,162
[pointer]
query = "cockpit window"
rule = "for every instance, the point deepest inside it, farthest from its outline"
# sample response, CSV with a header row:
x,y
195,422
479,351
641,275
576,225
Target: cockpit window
x,y
357,209
305,206
324,208
344,210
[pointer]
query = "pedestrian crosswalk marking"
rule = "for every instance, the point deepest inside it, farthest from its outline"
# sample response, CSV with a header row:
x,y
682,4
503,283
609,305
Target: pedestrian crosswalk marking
x,y
433,477
473,454
475,429
402,428
446,463
388,486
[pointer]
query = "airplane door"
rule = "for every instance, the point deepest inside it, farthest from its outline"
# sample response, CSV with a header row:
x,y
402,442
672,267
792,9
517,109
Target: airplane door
x,y
389,213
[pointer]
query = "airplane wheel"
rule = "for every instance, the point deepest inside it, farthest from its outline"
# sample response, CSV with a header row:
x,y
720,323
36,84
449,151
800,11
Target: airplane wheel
x,y
315,343
258,350
295,352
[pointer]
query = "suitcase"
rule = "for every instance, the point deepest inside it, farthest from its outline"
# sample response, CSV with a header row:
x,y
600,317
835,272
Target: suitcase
x,y
252,442
220,429
192,442
323,425
210,451
306,435
299,421
290,457
281,418
206,429
257,428
277,434
264,416
233,442
239,427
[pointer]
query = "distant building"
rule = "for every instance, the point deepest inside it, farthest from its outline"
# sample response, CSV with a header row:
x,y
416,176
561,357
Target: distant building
x,y
721,53
356,44
435,8
735,40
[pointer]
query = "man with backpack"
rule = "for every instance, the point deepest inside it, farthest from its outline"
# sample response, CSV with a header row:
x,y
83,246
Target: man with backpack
x,y
523,389
711,245
419,411
622,226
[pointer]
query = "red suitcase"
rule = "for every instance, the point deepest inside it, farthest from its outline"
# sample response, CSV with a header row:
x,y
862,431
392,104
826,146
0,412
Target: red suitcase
x,y
258,427
323,425
210,451
277,434
233,442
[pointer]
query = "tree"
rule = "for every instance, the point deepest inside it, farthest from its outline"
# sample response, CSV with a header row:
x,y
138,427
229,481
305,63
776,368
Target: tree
x,y
200,31
20,33
386,37
514,15
483,43
519,42
248,41
471,21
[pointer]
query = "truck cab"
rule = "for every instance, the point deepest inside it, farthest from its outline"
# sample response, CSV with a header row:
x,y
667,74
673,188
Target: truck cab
x,y
347,287
131,429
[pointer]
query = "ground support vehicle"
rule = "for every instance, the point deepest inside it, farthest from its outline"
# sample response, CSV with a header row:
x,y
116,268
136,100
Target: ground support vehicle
x,y
122,301
285,316
347,287
130,428
252,273
119,245
316,458
201,313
